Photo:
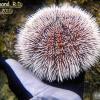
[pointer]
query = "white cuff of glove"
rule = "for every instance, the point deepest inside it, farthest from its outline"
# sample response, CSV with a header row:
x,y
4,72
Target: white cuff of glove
x,y
37,88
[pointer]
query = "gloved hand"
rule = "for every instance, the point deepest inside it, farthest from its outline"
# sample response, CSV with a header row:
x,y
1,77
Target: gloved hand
x,y
27,87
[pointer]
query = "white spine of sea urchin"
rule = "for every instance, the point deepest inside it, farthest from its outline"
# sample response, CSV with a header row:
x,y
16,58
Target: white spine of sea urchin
x,y
58,42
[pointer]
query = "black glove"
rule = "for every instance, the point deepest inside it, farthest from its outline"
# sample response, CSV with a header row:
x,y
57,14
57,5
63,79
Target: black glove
x,y
26,86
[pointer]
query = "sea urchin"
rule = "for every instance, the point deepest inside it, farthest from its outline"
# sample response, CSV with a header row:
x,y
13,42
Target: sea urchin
x,y
57,43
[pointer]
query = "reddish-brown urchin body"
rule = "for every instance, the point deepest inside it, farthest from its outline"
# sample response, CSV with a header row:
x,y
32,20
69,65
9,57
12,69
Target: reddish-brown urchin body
x,y
58,42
